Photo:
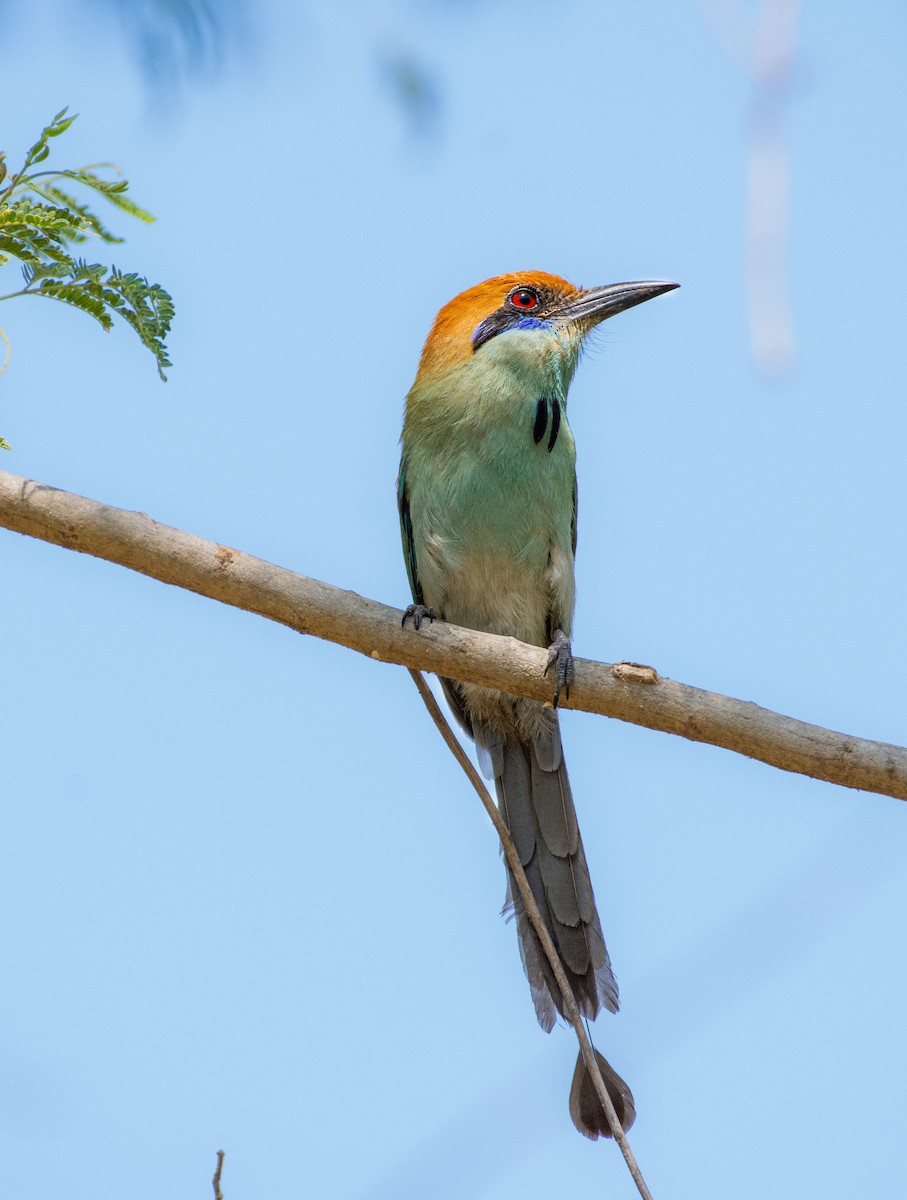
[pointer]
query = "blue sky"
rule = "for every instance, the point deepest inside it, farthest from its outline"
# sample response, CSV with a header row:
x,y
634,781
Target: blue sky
x,y
248,901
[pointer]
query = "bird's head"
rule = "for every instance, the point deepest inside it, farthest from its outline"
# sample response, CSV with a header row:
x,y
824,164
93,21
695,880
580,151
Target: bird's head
x,y
527,323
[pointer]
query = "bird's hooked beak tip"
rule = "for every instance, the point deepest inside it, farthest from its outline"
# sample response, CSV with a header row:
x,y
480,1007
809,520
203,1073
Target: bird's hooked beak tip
x,y
597,304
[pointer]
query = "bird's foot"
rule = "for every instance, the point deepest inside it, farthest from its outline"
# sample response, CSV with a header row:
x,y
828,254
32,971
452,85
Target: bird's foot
x,y
418,612
560,656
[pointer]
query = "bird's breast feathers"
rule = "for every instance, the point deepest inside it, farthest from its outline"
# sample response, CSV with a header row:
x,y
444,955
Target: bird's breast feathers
x,y
491,498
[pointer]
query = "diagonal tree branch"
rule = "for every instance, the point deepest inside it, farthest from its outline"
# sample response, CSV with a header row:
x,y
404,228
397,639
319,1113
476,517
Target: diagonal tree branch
x,y
134,540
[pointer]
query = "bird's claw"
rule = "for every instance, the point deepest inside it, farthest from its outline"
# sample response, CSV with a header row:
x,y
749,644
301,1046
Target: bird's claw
x,y
560,656
418,612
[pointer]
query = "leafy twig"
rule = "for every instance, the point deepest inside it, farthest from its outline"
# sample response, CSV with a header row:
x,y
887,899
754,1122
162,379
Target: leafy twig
x,y
40,222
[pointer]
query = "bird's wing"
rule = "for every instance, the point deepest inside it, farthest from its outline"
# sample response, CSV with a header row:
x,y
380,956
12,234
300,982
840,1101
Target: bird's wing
x,y
556,617
406,532
451,689
573,522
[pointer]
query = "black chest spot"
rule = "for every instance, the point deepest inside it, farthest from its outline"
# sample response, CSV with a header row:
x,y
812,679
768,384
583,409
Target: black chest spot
x,y
543,407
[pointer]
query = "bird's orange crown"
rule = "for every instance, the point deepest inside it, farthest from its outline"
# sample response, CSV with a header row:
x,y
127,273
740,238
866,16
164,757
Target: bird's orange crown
x,y
450,341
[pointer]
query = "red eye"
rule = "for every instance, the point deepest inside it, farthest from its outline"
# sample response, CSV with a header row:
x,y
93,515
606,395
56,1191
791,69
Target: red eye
x,y
525,299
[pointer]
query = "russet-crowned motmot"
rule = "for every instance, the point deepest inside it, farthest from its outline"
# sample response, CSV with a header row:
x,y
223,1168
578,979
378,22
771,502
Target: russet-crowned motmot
x,y
487,497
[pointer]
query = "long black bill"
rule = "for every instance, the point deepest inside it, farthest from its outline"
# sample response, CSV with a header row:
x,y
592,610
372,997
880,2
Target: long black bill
x,y
597,304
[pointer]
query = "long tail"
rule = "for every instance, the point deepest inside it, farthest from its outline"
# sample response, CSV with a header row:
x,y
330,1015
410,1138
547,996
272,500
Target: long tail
x,y
535,798
536,802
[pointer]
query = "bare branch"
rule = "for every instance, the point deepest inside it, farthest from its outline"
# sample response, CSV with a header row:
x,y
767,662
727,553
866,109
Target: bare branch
x,y
134,540
215,1182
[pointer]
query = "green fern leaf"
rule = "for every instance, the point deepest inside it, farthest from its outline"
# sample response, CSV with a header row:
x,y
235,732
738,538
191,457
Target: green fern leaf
x,y
58,125
39,232
112,190
83,295
147,307
15,248
32,245
56,220
87,218
40,150
33,272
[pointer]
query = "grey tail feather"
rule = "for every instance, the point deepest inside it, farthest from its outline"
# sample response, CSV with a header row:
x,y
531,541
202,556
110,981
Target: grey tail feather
x,y
585,1106
537,805
535,798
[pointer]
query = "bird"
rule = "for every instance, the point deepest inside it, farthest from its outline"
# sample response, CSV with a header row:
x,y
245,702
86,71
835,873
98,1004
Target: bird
x,y
487,500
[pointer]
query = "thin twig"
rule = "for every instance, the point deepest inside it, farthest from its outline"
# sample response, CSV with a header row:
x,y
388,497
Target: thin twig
x,y
215,1182
538,924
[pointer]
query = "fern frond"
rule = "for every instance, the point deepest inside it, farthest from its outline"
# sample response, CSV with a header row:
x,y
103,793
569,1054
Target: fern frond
x,y
86,295
39,231
40,150
58,223
89,221
113,190
32,246
146,306
48,270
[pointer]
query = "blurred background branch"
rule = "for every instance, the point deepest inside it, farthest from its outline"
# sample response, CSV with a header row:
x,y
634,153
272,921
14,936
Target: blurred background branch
x,y
765,45
177,41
